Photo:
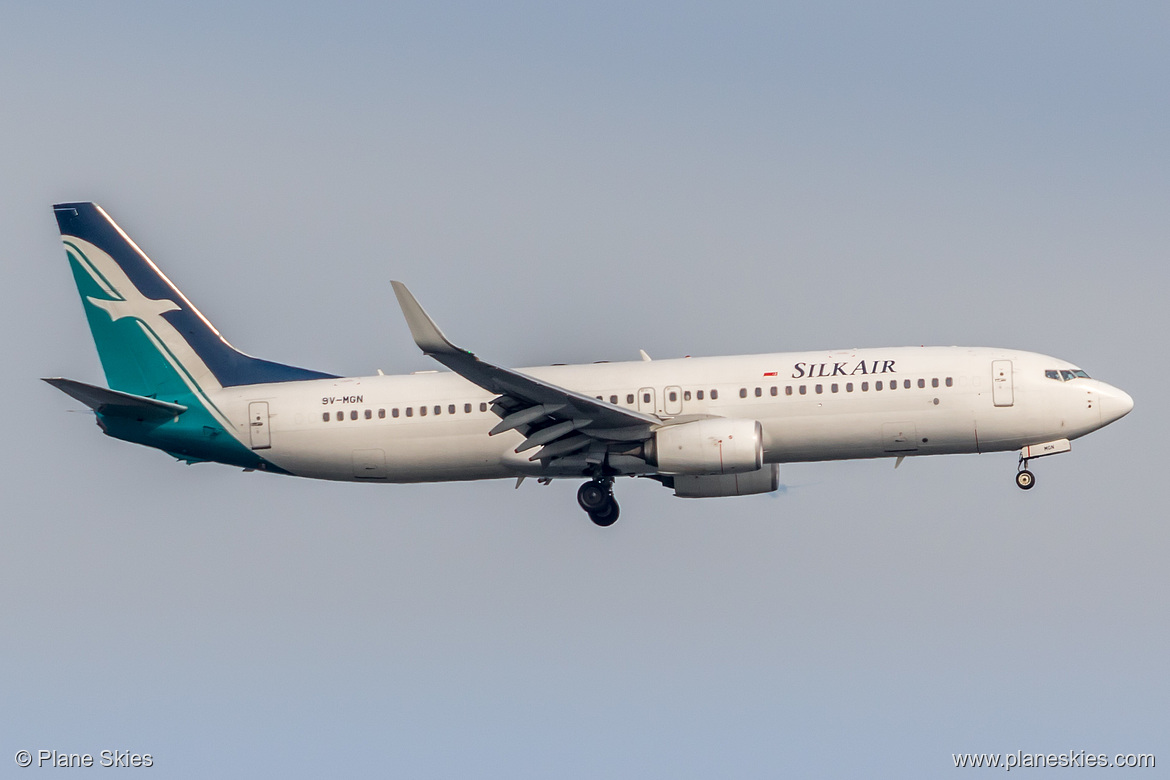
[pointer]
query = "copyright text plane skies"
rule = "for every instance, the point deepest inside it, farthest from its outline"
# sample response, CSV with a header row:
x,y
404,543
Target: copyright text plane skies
x,y
704,427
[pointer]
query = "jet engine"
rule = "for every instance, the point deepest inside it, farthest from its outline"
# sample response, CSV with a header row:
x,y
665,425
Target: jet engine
x,y
713,446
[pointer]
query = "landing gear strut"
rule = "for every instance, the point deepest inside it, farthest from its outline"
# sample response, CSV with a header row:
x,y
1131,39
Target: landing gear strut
x,y
596,498
1025,479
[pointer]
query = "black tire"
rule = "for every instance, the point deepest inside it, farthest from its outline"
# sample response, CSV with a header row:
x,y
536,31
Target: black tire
x,y
1025,479
593,496
607,515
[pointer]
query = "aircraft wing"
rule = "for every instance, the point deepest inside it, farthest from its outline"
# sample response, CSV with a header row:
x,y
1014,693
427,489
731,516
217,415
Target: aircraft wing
x,y
560,421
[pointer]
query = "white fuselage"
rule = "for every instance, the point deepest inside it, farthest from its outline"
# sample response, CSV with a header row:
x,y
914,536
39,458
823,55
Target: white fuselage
x,y
811,405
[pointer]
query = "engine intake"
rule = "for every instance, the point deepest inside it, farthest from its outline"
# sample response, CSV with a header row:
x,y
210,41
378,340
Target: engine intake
x,y
714,446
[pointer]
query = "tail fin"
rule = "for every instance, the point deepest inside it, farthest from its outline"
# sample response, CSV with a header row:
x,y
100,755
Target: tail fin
x,y
152,341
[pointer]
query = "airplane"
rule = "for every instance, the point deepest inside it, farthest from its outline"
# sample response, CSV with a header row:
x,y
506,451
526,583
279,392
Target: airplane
x,y
700,426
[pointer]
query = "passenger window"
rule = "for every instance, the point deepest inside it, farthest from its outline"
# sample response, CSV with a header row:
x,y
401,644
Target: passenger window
x,y
325,416
422,411
877,385
950,381
369,414
848,387
438,409
483,407
833,387
394,412
673,395
820,389
788,390
613,399
934,382
905,384
865,387
743,392
775,390
645,398
699,394
759,392
381,414
451,409
353,414
686,395
714,394
629,398
921,383
803,389
410,411
467,408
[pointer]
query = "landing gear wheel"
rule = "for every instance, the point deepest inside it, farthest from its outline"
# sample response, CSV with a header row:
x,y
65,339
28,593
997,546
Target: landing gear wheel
x,y
1025,479
596,498
607,515
593,496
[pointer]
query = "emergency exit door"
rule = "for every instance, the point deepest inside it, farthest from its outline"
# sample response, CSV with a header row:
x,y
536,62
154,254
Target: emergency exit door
x,y
258,425
672,400
646,401
1001,383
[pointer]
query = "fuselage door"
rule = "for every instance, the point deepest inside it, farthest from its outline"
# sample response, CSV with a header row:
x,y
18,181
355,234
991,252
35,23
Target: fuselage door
x,y
1001,383
258,425
672,400
646,400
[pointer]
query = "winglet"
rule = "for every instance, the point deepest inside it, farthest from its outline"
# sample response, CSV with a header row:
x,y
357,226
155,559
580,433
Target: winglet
x,y
424,330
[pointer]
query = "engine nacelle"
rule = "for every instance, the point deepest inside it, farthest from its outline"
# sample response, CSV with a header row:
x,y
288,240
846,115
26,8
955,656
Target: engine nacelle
x,y
750,483
714,446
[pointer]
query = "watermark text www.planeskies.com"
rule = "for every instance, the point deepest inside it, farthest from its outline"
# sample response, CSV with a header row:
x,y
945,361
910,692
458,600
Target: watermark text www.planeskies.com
x,y
1072,759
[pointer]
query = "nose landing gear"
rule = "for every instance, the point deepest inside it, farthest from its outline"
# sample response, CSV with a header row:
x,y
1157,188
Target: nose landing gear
x,y
1025,479
596,498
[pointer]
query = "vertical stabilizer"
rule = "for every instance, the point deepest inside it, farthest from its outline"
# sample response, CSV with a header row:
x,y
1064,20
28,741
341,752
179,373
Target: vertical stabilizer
x,y
152,341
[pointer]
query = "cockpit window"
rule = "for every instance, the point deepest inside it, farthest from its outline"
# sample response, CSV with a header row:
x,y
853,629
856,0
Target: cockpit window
x,y
1065,375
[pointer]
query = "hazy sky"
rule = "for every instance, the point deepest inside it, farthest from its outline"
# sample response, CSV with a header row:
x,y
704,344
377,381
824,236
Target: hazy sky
x,y
564,185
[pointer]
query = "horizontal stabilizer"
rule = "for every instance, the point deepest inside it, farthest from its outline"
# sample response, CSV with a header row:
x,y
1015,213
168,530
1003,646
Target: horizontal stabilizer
x,y
112,402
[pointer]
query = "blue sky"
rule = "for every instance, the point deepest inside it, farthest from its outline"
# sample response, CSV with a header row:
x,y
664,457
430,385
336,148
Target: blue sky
x,y
558,185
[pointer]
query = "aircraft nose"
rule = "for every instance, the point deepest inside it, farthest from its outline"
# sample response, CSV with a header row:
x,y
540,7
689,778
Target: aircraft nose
x,y
1115,404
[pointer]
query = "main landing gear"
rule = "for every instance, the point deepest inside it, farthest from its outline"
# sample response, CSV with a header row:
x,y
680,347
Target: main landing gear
x,y
596,498
1025,479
